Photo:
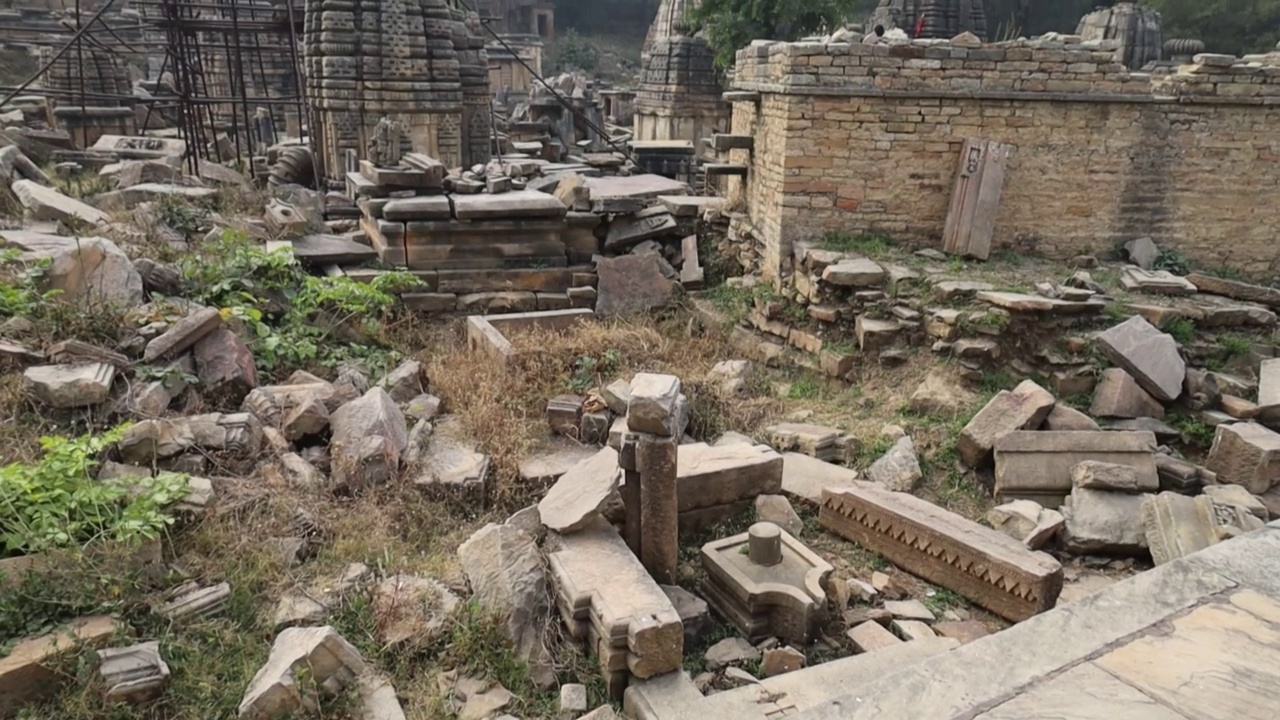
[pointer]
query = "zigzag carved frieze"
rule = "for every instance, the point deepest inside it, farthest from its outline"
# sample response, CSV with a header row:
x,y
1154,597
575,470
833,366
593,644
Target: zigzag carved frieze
x,y
1020,585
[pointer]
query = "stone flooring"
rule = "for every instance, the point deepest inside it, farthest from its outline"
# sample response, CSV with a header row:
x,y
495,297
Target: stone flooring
x,y
1194,639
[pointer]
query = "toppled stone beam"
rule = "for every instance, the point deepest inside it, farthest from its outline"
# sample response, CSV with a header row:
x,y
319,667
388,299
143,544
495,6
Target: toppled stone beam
x,y
1023,408
606,597
1038,465
1235,290
986,566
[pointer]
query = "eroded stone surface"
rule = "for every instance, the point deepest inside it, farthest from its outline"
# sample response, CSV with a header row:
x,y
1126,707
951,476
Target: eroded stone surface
x,y
1023,408
1147,354
577,497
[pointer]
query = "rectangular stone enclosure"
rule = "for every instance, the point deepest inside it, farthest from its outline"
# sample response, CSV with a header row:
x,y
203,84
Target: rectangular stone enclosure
x,y
867,139
486,332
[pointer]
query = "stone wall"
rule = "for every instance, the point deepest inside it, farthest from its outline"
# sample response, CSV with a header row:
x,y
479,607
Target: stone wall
x,y
867,138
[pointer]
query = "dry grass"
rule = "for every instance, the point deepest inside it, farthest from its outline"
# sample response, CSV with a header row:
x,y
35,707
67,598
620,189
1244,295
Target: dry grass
x,y
503,406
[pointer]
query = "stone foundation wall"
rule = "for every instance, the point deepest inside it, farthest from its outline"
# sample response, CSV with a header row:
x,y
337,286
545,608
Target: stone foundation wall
x,y
867,138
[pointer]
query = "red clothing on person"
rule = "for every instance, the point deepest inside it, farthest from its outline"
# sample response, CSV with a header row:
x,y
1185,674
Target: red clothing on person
x,y
919,26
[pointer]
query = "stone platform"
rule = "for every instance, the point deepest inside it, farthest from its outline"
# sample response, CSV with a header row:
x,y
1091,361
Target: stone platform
x,y
1197,638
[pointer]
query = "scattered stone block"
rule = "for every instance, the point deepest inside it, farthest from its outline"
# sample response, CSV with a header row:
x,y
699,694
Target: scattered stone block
x,y
542,469
1176,525
965,631
70,386
308,419
277,690
955,289
626,231
875,334
573,700
473,698
1066,418
183,334
1147,354
193,601
1026,521
577,498
871,636
564,414
695,616
453,469
899,468
1118,395
777,509
134,674
779,661
653,404
806,478
1103,523
632,284
715,483
941,393
368,437
605,594
404,383
28,672
94,273
1238,496
1142,252
1094,475
1038,465
855,272
887,586
1023,408
225,365
817,441
1239,408
1246,454
911,630
988,567
46,203
909,610
1235,289
594,429
413,612
1019,302
730,651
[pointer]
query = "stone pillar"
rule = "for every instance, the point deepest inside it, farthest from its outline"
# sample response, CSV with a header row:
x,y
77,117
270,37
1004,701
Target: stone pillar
x,y
764,544
654,420
659,508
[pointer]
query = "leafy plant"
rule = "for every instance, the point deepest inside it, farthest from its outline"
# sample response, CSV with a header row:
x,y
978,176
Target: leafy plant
x,y
181,214
22,295
588,371
806,388
865,244
1235,345
56,502
1181,329
1173,260
575,52
732,301
732,24
1194,432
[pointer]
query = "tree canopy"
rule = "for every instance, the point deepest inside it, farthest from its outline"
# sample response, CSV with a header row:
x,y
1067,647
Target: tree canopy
x,y
733,24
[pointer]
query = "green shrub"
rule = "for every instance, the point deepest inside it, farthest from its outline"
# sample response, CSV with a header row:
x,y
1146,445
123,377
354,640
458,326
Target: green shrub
x,y
57,503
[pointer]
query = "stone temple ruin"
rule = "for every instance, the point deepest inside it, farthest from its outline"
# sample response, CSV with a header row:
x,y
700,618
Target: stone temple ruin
x,y
1070,498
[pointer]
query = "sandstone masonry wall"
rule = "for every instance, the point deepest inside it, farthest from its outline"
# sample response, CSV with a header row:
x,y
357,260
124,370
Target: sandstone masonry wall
x,y
867,138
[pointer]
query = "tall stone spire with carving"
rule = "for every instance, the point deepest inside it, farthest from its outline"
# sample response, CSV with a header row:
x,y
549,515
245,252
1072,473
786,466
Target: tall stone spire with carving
x,y
680,92
1137,27
933,18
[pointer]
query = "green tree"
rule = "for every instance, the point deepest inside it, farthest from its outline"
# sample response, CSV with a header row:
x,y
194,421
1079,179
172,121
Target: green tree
x,y
732,24
1226,26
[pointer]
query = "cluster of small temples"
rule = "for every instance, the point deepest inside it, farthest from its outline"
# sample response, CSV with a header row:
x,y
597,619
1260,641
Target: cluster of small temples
x,y
870,137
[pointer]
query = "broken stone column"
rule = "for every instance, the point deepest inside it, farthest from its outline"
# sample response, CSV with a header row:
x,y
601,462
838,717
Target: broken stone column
x,y
653,421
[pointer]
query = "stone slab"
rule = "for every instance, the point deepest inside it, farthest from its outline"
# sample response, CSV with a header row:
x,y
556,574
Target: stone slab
x,y
1147,354
1220,662
1023,408
326,249
580,493
806,478
986,566
1038,465
516,204
635,186
1019,302
1083,693
708,475
979,675
1235,290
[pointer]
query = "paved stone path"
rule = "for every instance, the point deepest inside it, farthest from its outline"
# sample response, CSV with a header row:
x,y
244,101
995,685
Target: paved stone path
x,y
1196,639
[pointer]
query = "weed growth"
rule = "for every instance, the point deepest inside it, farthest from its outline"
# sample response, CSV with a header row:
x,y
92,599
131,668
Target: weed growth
x,y
870,245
